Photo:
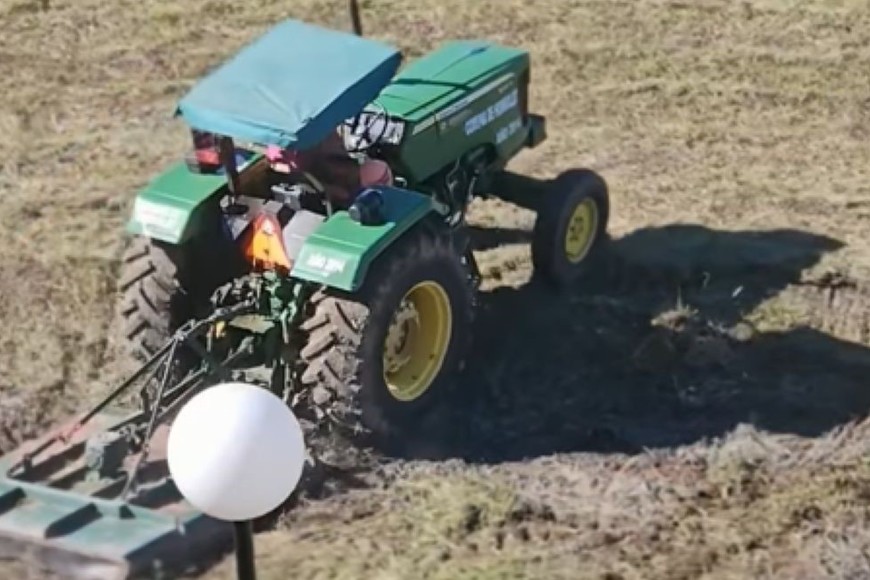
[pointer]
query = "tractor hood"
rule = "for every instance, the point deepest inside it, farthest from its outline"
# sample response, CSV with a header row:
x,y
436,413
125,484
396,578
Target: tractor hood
x,y
291,86
459,70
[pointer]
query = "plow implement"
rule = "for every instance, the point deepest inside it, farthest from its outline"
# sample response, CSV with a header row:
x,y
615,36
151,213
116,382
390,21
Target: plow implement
x,y
94,499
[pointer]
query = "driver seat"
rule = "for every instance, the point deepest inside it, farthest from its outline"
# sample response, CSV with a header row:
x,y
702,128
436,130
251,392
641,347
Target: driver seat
x,y
375,172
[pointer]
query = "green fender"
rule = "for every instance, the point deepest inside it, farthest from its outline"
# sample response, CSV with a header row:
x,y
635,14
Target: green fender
x,y
171,207
340,251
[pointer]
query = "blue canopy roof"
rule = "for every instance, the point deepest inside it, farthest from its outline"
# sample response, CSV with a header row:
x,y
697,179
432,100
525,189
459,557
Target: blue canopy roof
x,y
291,86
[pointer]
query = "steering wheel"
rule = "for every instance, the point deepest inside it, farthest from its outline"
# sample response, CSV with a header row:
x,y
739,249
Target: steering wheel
x,y
360,135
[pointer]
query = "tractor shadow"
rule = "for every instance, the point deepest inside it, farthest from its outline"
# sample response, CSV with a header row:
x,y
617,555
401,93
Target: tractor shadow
x,y
651,349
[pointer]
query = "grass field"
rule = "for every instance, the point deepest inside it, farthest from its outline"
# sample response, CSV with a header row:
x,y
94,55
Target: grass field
x,y
693,410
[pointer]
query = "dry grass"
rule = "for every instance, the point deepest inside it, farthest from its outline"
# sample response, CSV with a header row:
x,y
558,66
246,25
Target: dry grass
x,y
735,116
747,506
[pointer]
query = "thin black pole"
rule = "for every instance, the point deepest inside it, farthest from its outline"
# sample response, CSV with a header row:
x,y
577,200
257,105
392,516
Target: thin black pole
x,y
355,19
245,566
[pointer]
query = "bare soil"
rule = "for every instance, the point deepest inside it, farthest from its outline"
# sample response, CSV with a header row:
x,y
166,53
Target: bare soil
x,y
693,409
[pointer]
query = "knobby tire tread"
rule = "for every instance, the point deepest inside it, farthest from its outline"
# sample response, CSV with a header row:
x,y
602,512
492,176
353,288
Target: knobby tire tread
x,y
332,358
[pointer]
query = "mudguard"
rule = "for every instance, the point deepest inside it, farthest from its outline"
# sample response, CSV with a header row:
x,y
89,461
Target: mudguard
x,y
171,207
340,251
166,208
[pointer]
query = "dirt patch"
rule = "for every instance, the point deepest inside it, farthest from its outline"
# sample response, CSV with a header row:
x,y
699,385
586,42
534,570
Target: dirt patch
x,y
50,356
25,415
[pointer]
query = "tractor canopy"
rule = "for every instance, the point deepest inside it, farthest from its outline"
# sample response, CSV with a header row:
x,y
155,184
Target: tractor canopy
x,y
291,86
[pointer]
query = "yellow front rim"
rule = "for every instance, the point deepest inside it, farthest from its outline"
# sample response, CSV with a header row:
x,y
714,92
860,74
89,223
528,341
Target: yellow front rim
x,y
581,230
417,341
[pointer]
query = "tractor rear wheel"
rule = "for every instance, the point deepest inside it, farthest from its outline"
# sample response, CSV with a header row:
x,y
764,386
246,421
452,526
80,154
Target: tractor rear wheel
x,y
571,221
376,361
163,286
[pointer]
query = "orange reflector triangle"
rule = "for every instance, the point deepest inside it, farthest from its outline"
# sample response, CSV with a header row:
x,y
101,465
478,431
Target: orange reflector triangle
x,y
265,246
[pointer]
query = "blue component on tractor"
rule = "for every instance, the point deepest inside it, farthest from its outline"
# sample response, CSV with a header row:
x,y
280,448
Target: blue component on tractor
x,y
367,208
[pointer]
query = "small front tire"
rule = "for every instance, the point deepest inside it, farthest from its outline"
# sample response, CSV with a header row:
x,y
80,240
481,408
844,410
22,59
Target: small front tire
x,y
572,220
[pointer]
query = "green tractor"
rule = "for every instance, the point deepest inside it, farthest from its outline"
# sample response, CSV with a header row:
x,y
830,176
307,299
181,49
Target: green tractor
x,y
372,289
313,242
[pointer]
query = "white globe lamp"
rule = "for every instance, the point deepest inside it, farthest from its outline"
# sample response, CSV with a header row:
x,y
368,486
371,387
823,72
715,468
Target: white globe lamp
x,y
236,452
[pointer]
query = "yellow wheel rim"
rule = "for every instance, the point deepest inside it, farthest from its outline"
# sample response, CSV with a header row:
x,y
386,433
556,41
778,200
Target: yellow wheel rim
x,y
417,341
580,234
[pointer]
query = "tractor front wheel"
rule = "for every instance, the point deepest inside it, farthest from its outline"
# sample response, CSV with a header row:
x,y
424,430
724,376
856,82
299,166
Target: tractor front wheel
x,y
377,360
571,221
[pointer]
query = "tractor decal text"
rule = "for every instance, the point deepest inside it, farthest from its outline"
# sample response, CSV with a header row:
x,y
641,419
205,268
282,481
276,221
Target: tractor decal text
x,y
157,220
461,104
508,131
325,264
491,113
